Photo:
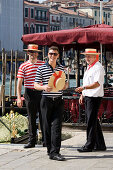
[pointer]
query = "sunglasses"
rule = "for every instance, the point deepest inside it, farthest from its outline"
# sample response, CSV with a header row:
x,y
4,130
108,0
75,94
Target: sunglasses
x,y
32,52
55,54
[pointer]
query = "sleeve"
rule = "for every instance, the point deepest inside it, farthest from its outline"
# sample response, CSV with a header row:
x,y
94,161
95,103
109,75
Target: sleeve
x,y
20,72
99,76
38,78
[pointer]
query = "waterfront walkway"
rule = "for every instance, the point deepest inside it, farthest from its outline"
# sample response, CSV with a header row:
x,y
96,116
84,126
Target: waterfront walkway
x,y
14,157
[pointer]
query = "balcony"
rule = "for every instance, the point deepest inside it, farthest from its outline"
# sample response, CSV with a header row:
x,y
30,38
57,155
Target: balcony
x,y
41,18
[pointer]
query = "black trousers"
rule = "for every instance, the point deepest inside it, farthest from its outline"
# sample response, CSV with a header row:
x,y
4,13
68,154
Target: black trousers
x,y
94,133
52,111
32,100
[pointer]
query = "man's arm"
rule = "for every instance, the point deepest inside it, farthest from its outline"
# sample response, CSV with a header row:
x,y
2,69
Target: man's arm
x,y
91,86
19,88
81,99
39,87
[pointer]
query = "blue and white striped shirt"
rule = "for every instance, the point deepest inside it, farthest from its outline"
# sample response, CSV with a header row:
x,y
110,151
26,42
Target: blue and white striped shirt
x,y
43,74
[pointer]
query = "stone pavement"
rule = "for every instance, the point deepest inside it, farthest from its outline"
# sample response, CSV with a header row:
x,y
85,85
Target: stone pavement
x,y
14,157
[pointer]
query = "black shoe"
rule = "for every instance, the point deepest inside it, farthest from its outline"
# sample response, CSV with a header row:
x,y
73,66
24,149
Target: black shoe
x,y
84,149
48,153
29,145
43,144
57,157
100,149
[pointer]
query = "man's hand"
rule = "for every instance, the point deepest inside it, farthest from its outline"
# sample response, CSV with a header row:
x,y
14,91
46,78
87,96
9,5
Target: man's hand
x,y
47,88
79,89
81,99
19,103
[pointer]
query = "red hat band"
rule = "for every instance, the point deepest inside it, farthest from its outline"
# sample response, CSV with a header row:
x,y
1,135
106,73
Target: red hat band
x,y
57,76
32,47
91,52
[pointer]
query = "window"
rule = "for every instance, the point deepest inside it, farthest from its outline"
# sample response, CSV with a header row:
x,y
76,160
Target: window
x,y
57,19
26,29
37,28
41,14
32,13
45,14
108,15
83,21
41,28
61,19
95,22
26,12
37,14
104,14
66,19
95,13
32,30
90,22
53,19
70,20
45,28
108,23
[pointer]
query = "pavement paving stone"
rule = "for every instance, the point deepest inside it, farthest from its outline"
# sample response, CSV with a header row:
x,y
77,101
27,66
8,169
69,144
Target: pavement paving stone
x,y
15,157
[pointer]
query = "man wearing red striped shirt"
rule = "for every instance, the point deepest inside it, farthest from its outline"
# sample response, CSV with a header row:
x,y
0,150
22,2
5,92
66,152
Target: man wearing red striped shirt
x,y
27,71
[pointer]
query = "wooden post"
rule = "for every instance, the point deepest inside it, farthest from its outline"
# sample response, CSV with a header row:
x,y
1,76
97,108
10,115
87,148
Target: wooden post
x,y
78,70
3,81
25,57
11,76
5,65
15,83
43,53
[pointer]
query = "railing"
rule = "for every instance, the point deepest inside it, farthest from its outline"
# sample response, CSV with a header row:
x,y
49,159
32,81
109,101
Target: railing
x,y
75,113
41,18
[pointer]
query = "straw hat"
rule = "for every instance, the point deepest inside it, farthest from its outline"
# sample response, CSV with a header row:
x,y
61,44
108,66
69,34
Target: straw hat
x,y
90,51
32,47
57,81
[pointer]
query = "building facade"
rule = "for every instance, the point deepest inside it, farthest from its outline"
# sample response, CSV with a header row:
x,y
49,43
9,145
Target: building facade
x,y
36,18
94,11
11,24
71,19
55,21
110,5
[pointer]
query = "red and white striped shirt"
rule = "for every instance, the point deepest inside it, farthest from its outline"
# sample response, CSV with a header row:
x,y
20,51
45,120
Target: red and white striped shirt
x,y
27,71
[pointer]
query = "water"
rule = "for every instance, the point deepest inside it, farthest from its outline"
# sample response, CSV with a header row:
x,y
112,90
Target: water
x,y
72,83
7,88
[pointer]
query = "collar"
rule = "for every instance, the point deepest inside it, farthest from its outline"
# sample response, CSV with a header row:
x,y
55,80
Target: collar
x,y
31,62
48,65
91,65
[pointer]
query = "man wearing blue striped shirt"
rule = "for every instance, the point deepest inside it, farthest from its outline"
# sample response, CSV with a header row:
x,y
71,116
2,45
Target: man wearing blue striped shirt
x,y
52,104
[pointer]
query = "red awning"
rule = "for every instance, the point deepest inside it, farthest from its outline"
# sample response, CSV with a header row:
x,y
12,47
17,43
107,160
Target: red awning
x,y
100,33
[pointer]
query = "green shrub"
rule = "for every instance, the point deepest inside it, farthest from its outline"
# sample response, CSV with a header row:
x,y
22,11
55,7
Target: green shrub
x,y
6,126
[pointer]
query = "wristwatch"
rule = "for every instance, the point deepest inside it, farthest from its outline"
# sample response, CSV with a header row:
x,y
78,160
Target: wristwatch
x,y
84,87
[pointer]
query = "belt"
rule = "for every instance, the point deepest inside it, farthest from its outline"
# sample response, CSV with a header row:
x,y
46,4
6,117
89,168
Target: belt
x,y
55,98
34,90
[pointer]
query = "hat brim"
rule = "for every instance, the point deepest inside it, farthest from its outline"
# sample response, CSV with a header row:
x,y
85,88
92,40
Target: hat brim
x,y
32,50
90,53
51,80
